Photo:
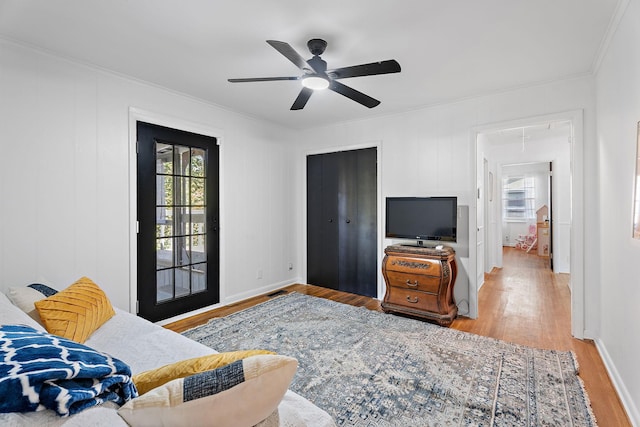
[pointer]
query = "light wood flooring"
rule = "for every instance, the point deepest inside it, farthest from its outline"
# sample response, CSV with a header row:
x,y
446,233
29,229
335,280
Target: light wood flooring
x,y
524,302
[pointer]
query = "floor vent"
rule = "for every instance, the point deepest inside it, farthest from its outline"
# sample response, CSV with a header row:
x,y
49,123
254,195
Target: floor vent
x,y
276,293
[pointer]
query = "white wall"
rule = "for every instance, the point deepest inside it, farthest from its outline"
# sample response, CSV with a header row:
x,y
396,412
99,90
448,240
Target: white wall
x,y
618,108
432,152
64,179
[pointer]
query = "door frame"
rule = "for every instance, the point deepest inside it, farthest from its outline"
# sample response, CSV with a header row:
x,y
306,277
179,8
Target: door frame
x,y
334,149
577,263
136,115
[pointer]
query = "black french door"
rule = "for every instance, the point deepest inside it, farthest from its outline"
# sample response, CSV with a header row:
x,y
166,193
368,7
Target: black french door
x,y
178,211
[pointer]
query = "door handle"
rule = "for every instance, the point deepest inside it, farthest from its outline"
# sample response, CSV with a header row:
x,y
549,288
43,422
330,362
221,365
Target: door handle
x,y
331,220
412,301
348,221
413,284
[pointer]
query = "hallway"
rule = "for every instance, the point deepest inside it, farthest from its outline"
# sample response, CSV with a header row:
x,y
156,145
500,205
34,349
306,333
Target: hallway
x,y
524,302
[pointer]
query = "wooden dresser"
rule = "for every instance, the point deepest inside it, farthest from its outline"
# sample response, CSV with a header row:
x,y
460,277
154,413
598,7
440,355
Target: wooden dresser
x,y
420,282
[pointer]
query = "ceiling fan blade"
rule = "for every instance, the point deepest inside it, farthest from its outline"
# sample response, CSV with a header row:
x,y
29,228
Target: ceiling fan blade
x,y
291,54
374,68
351,93
262,79
302,99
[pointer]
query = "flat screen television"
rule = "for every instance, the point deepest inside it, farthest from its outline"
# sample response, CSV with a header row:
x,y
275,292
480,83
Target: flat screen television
x,y
422,218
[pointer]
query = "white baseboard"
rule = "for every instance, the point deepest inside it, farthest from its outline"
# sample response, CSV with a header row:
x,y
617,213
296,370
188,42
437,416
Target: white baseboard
x,y
618,384
259,291
232,299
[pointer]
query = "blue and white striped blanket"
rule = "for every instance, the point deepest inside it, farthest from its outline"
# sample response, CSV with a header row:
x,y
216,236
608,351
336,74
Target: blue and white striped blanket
x,y
42,371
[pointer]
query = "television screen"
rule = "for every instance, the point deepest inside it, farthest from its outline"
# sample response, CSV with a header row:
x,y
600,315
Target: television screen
x,y
422,218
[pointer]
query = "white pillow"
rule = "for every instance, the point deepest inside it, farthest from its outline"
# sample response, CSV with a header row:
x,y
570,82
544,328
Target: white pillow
x,y
242,393
24,297
12,315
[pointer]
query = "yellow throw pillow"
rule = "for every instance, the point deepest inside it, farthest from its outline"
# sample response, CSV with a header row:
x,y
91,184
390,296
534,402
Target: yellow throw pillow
x,y
151,379
76,312
242,393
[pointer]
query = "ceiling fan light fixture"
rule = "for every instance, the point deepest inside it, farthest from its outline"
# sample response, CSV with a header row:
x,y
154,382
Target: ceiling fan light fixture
x,y
316,77
315,82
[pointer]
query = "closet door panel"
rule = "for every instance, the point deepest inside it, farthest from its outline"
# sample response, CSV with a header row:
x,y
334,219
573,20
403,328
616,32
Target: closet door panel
x,y
366,223
347,225
322,235
330,220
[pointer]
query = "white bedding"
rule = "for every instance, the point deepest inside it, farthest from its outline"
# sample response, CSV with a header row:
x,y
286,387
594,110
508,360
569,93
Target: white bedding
x,y
144,345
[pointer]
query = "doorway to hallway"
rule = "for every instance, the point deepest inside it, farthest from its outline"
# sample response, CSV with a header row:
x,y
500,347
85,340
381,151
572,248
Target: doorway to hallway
x,y
519,139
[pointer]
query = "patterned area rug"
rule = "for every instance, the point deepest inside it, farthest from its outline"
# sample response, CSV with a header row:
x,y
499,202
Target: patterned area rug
x,y
367,368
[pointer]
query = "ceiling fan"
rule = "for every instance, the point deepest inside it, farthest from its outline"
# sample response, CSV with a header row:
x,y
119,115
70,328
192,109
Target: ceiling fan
x,y
316,76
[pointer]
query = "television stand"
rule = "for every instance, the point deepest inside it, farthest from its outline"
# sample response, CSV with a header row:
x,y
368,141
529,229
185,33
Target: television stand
x,y
420,282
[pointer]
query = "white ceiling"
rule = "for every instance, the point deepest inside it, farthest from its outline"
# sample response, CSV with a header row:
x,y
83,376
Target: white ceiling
x,y
448,49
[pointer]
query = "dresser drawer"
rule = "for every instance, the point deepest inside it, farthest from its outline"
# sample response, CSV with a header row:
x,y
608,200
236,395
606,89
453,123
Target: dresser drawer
x,y
430,267
414,282
415,300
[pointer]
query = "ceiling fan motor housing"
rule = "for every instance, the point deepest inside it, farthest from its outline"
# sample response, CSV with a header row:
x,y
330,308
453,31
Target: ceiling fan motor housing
x,y
317,46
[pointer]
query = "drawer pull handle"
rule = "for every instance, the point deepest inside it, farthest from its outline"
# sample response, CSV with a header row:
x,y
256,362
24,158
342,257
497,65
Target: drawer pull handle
x,y
413,284
412,301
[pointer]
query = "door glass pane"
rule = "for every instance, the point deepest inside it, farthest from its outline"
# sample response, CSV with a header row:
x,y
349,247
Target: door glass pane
x,y
197,192
197,162
199,277
164,158
164,280
164,189
183,250
180,221
164,215
197,248
183,286
164,222
198,227
164,253
182,160
182,194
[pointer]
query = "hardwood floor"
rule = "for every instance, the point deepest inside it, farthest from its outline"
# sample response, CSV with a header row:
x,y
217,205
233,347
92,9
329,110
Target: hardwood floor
x,y
523,303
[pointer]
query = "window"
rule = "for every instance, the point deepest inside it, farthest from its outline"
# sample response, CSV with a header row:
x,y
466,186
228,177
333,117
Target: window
x,y
518,197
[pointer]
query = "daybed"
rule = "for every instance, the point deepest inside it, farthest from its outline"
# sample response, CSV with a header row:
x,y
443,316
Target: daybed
x,y
143,346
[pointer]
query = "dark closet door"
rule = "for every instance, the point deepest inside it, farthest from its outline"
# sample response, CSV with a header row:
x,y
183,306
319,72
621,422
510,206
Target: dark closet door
x,y
342,221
